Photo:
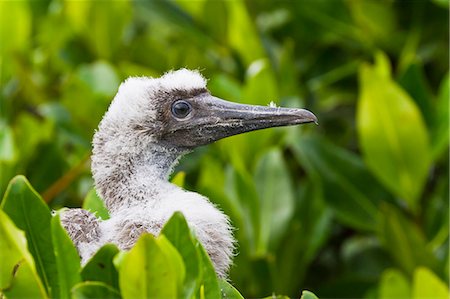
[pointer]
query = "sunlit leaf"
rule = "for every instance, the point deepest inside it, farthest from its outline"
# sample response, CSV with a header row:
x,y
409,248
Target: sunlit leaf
x,y
15,26
427,285
67,259
29,213
308,295
94,204
18,276
242,35
149,271
392,134
177,231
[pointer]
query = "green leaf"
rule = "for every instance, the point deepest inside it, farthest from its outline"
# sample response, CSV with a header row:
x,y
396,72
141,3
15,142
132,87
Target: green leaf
x,y
346,184
101,268
440,132
100,76
94,290
16,21
276,197
177,231
67,259
404,241
427,285
7,150
242,35
179,178
18,277
210,285
394,285
94,204
148,271
30,213
228,291
392,134
308,295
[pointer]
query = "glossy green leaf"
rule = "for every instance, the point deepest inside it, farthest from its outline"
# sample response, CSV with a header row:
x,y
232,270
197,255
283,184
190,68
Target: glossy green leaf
x,y
228,291
149,271
177,231
392,133
94,204
30,213
427,285
18,276
394,285
275,190
94,290
67,259
101,268
346,184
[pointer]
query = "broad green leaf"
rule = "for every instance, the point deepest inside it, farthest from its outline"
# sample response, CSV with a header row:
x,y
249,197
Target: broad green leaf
x,y
228,291
427,285
15,26
94,290
346,184
403,240
18,276
392,134
177,231
308,295
275,190
94,204
242,35
260,84
67,259
30,213
394,285
147,271
101,268
210,285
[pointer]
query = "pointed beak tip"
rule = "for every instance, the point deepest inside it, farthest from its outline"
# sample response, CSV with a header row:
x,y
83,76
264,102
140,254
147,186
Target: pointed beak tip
x,y
310,117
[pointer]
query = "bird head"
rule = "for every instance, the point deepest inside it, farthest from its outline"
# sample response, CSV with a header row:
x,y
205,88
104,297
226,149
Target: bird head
x,y
177,110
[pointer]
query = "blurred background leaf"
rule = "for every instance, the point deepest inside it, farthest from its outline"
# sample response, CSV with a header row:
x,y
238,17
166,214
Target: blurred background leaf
x,y
360,200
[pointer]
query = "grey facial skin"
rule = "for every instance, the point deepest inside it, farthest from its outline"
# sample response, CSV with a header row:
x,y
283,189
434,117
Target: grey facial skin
x,y
211,118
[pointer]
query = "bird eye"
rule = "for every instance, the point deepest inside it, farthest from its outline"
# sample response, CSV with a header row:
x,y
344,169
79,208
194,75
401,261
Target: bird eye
x,y
181,109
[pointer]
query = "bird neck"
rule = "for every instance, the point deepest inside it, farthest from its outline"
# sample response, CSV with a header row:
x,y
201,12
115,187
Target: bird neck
x,y
127,177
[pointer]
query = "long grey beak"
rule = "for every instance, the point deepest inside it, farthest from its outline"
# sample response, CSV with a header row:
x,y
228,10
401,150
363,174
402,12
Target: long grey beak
x,y
212,119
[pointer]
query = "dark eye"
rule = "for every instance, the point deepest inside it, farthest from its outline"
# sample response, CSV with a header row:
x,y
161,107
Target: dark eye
x,y
181,109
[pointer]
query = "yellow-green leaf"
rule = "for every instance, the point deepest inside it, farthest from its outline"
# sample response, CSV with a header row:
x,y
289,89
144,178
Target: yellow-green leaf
x,y
392,134
428,285
18,276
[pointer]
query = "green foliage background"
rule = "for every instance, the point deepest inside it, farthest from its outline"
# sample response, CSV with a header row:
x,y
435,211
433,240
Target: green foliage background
x,y
355,207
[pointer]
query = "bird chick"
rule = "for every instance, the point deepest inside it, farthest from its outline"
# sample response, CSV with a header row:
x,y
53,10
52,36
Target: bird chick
x,y
149,125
